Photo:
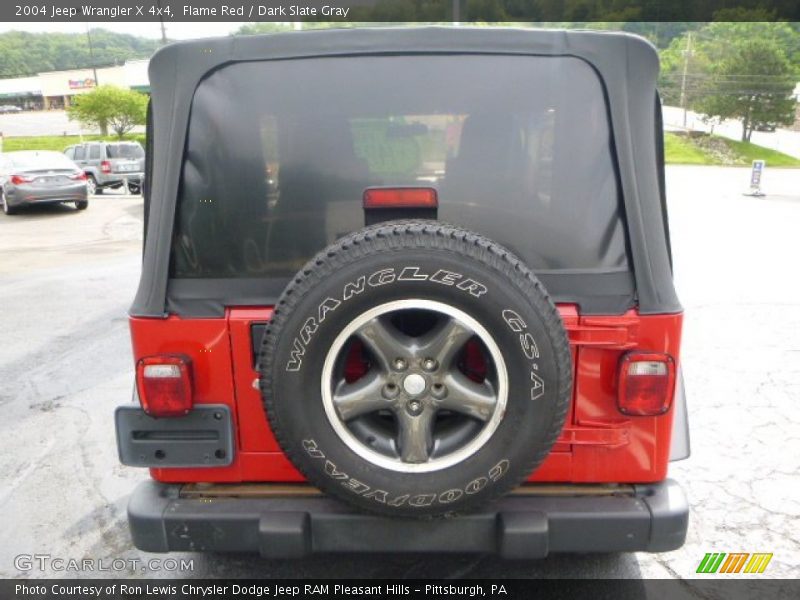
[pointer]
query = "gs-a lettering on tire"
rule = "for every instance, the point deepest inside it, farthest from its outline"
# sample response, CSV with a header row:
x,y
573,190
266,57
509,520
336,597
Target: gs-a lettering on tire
x,y
415,369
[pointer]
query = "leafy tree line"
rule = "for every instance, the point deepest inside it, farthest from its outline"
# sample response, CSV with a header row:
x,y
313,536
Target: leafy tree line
x,y
742,71
23,54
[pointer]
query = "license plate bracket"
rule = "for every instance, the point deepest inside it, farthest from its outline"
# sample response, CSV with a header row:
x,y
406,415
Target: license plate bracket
x,y
202,438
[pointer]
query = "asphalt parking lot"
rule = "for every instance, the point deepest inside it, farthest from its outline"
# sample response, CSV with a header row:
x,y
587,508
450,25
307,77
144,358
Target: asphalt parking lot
x,y
67,278
43,122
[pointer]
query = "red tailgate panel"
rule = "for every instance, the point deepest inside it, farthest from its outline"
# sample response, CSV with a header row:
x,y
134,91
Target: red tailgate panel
x,y
598,443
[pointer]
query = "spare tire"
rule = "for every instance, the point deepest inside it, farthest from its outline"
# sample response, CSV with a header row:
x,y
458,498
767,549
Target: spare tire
x,y
415,369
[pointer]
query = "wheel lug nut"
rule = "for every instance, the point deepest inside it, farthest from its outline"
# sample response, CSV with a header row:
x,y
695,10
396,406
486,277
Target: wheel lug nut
x,y
414,407
438,390
429,364
390,390
400,364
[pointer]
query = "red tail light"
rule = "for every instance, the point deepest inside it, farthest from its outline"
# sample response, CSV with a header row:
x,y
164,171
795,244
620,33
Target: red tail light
x,y
646,383
409,197
17,179
164,385
105,166
78,176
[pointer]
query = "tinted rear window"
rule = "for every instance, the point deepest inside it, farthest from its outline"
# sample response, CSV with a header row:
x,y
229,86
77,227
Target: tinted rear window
x,y
124,151
279,153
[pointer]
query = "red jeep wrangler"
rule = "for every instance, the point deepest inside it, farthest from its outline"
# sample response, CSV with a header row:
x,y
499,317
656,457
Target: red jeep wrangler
x,y
403,273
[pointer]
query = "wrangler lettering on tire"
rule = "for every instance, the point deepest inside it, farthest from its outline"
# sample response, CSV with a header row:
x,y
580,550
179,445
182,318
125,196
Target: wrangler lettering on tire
x,y
400,365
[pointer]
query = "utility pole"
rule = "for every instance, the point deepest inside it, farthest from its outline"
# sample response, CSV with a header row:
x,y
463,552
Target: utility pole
x,y
456,12
161,21
103,125
91,55
686,54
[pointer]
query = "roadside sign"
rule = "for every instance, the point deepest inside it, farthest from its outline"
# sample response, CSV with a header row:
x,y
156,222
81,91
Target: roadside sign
x,y
755,178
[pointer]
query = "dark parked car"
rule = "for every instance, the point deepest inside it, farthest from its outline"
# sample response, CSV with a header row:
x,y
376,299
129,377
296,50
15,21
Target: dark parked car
x,y
766,127
40,177
418,300
110,164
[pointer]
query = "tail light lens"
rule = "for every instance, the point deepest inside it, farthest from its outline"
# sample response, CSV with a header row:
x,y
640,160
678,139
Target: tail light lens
x,y
17,179
105,166
78,176
646,383
165,385
405,197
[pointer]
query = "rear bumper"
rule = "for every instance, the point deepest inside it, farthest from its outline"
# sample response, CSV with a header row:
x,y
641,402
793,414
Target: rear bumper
x,y
29,196
109,179
649,518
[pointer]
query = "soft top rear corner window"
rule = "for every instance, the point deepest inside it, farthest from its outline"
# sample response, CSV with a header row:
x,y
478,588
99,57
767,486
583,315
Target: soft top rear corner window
x,y
279,153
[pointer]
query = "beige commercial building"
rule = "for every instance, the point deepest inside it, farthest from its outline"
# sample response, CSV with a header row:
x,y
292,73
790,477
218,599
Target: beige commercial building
x,y
55,89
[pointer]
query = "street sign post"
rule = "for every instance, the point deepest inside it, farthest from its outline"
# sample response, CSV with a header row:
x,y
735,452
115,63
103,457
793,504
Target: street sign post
x,y
755,178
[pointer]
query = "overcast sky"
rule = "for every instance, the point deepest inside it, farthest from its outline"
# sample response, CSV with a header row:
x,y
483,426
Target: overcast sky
x,y
175,31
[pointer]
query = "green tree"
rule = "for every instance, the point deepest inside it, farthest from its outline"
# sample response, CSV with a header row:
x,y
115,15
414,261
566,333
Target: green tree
x,y
109,106
754,84
719,37
713,70
684,70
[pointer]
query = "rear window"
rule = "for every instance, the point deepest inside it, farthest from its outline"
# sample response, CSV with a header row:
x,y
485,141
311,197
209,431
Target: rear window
x,y
124,151
31,161
279,153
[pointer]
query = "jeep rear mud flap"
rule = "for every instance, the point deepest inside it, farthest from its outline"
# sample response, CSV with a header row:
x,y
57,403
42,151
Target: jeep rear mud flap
x,y
650,518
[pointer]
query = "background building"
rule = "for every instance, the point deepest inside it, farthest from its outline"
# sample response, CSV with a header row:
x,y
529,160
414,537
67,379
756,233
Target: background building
x,y
55,89
25,92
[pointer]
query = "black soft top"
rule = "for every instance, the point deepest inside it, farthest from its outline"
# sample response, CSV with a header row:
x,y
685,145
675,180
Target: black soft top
x,y
627,66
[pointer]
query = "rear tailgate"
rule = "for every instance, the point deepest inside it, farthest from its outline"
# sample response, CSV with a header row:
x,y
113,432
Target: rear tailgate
x,y
598,443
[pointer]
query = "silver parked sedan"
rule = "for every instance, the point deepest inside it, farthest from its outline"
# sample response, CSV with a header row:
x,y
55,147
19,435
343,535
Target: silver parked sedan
x,y
40,177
